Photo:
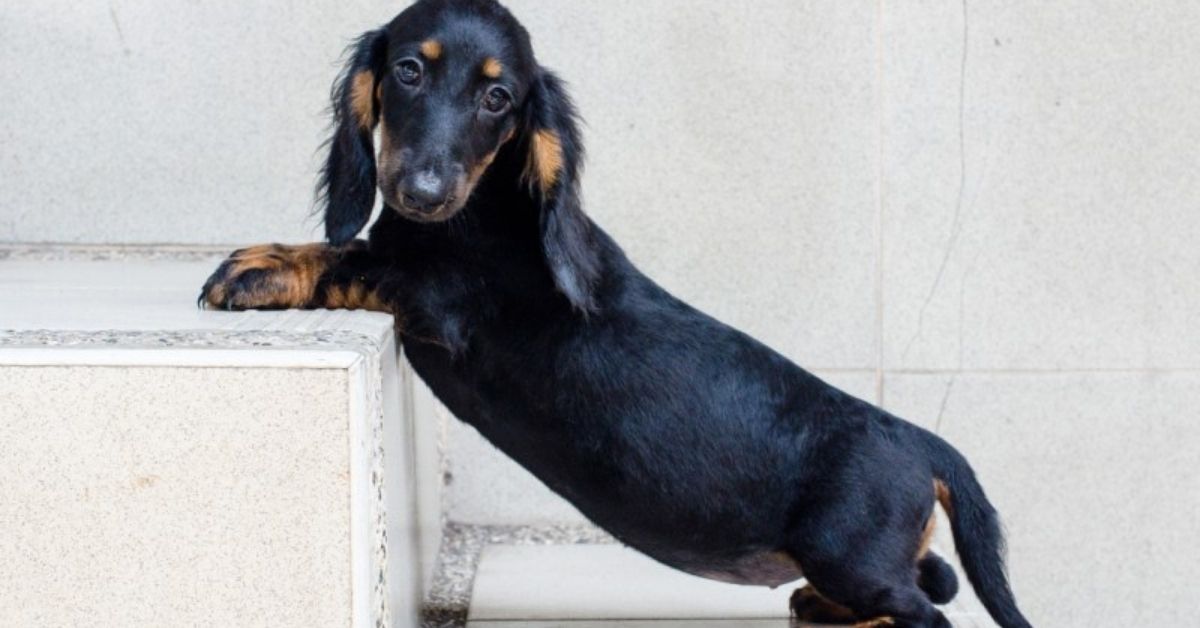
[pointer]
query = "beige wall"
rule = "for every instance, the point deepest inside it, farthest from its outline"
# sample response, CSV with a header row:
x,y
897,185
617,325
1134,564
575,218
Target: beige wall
x,y
986,220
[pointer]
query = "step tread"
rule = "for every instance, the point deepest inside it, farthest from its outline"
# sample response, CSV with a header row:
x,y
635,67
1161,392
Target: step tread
x,y
611,585
120,302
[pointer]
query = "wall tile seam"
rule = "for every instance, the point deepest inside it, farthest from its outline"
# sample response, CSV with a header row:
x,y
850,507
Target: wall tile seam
x,y
880,310
1074,371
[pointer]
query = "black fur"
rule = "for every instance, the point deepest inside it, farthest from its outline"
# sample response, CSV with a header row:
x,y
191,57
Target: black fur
x,y
347,183
977,533
685,438
937,579
571,251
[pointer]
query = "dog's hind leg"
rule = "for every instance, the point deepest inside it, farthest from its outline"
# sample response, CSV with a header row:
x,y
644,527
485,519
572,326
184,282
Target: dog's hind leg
x,y
871,585
867,565
867,600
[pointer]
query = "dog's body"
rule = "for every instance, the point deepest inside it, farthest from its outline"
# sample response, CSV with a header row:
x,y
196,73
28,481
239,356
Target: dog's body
x,y
685,438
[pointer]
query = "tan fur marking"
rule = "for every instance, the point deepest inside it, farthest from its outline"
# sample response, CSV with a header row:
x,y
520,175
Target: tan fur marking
x,y
808,605
335,298
290,281
291,276
545,159
362,98
492,68
353,297
344,298
943,496
927,536
431,49
375,304
477,173
875,623
356,295
388,161
467,185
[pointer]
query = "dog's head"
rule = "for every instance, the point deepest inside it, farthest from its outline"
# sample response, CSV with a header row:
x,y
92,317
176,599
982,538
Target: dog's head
x,y
448,83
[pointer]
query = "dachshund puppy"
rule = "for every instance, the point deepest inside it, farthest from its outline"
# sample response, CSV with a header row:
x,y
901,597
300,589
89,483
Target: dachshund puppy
x,y
684,438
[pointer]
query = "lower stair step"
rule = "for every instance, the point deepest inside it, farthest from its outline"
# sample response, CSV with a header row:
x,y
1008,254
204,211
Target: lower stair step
x,y
611,586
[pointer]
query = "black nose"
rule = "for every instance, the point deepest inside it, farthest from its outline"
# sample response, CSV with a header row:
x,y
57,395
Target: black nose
x,y
425,192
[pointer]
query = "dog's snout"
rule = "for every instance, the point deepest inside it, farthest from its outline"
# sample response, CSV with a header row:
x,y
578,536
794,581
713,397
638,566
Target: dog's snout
x,y
426,192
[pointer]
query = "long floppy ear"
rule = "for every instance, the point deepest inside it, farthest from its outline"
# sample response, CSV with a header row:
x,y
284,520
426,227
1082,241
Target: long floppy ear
x,y
347,183
554,164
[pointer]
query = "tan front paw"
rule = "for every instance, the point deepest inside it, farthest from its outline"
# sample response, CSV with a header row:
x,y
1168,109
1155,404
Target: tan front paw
x,y
268,277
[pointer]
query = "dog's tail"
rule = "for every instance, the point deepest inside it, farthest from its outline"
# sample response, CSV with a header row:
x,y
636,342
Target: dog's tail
x,y
977,534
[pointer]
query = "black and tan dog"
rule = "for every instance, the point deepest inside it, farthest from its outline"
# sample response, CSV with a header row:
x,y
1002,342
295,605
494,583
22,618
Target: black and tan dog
x,y
686,439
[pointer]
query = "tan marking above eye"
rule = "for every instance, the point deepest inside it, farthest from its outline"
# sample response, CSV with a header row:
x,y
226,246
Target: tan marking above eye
x,y
492,68
545,159
431,49
362,98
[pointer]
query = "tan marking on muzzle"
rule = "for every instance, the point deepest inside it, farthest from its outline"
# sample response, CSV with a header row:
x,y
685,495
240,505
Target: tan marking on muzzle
x,y
476,173
388,161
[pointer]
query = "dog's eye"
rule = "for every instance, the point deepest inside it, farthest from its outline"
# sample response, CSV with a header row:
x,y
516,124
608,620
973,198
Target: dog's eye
x,y
496,100
409,71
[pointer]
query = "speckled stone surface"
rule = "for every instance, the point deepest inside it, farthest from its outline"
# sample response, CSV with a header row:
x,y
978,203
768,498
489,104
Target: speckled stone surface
x,y
449,599
187,339
109,253
174,496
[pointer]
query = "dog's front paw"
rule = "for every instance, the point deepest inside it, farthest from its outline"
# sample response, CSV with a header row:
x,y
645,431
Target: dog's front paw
x,y
267,277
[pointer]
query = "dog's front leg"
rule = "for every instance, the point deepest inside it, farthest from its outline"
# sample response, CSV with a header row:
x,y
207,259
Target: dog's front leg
x,y
308,276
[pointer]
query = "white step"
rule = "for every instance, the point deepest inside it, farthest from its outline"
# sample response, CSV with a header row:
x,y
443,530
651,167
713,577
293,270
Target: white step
x,y
610,586
167,466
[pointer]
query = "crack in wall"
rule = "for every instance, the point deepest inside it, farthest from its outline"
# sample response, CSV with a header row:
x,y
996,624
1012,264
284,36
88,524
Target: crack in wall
x,y
112,13
937,426
956,222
